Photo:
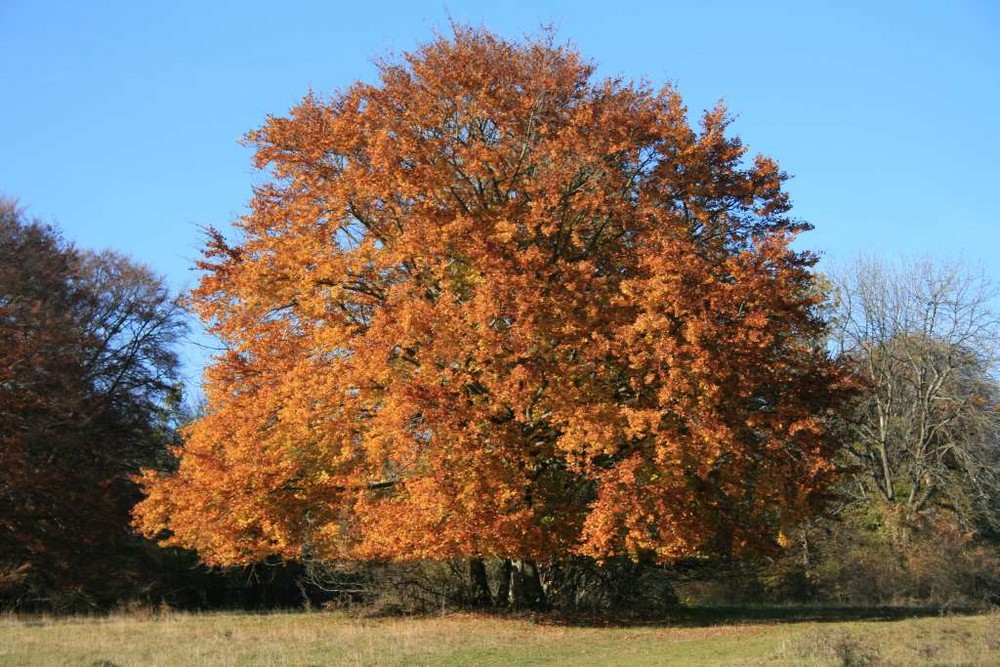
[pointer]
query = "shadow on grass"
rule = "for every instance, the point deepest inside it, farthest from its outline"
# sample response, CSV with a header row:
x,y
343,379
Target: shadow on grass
x,y
709,616
679,617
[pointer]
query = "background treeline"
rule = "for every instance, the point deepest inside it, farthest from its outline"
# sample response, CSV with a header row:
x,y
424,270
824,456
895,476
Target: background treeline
x,y
90,393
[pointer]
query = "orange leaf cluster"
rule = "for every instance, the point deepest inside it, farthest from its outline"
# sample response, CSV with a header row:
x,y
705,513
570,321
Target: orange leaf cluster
x,y
492,306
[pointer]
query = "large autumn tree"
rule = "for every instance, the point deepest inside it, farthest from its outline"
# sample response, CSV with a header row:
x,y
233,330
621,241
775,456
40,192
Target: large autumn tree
x,y
494,306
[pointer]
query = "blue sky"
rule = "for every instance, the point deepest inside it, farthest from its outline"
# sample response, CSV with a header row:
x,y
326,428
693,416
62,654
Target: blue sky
x,y
121,121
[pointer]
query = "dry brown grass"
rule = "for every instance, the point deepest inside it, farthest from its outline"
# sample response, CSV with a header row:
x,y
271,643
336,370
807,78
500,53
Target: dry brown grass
x,y
329,639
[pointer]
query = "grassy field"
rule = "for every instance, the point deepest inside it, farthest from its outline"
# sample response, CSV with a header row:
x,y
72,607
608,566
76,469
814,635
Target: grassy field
x,y
331,639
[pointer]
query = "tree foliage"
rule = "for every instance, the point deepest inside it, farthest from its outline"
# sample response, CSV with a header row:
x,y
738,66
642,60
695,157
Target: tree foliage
x,y
926,433
87,377
493,306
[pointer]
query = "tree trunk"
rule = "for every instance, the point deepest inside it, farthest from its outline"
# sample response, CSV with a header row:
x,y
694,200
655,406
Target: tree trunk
x,y
481,596
526,586
890,494
503,588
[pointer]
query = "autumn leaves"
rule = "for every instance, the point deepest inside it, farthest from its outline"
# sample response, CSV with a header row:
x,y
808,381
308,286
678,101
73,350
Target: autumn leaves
x,y
491,306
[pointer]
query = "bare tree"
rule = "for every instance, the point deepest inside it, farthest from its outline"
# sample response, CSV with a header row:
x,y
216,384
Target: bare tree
x,y
132,327
925,337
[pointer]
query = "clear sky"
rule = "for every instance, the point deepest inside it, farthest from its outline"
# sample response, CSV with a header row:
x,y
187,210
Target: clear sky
x,y
120,121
